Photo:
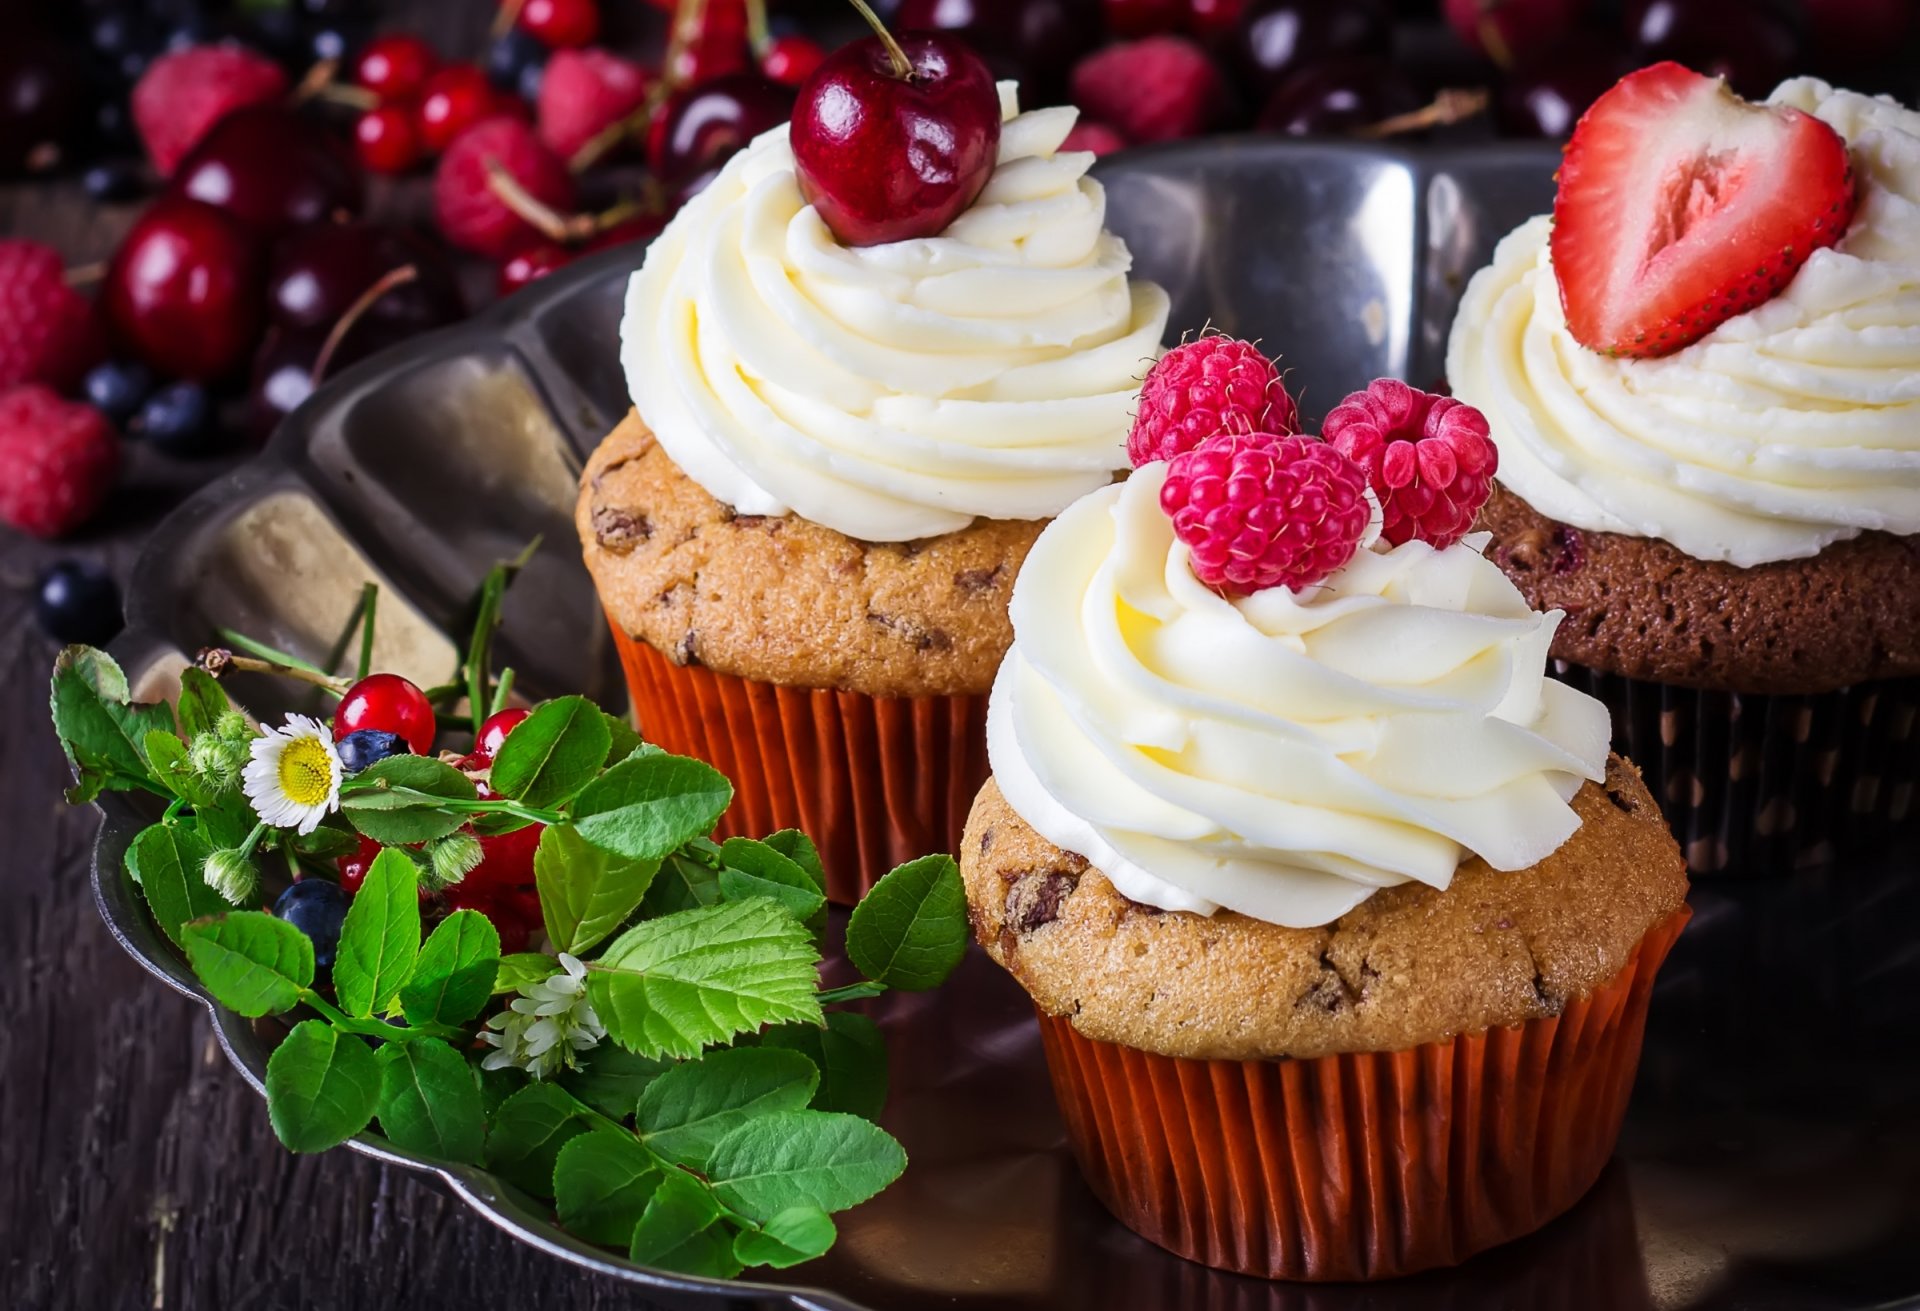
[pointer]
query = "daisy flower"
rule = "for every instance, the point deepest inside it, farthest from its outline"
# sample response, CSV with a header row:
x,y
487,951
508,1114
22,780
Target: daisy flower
x,y
293,774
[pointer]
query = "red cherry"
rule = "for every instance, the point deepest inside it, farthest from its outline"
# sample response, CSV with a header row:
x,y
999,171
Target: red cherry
x,y
515,912
185,290
391,704
702,125
353,869
493,734
395,66
387,140
1507,31
1135,18
790,60
561,24
455,98
1214,20
273,168
885,157
531,265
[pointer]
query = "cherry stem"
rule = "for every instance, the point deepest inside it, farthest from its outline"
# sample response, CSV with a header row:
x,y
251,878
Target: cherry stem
x,y
217,661
85,275
505,17
1488,30
902,66
597,146
322,83
758,35
399,277
689,19
1453,105
566,229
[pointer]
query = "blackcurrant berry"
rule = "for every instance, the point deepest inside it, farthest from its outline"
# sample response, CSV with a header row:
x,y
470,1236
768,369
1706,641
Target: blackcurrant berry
x,y
317,907
363,748
77,602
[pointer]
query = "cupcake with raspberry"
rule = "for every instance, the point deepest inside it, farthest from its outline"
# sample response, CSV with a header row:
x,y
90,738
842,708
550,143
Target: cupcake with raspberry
x,y
1339,917
1703,376
849,426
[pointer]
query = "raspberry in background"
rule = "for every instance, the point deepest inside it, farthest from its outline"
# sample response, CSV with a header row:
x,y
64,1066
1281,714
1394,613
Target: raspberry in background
x,y
47,330
1258,510
471,215
58,461
1091,134
1162,88
1210,385
1429,459
585,92
183,94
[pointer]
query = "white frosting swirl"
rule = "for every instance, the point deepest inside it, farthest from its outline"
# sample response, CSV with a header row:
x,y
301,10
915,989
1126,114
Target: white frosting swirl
x,y
896,391
1282,756
1784,430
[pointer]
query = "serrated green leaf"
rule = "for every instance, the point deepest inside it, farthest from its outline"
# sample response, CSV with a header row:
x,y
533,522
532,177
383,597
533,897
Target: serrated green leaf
x,y
322,1087
252,963
611,1079
672,986
803,1158
623,739
755,869
683,883
691,1107
430,1101
522,968
586,892
102,732
798,848
527,1132
201,701
397,801
326,843
552,753
797,1234
381,937
167,861
681,1231
851,1057
453,978
601,1184
910,930
646,807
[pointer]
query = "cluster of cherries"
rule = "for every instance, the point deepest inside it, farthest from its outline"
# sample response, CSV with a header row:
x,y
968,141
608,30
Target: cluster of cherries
x,y
1259,504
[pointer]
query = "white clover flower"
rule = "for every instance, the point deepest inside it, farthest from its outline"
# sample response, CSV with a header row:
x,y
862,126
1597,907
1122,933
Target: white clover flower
x,y
546,1026
293,774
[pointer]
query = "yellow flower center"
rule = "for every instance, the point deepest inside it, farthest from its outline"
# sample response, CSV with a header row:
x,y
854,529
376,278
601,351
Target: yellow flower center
x,y
306,774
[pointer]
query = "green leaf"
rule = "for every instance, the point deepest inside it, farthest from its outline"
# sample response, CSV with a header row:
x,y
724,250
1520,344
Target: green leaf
x,y
167,861
322,1087
798,848
103,733
381,936
683,883
586,892
851,1057
681,1231
496,1085
803,1158
326,843
202,702
624,740
430,1101
693,1106
453,978
552,753
251,962
755,869
645,807
910,930
397,801
601,1184
523,968
611,1079
527,1133
167,762
797,1234
672,986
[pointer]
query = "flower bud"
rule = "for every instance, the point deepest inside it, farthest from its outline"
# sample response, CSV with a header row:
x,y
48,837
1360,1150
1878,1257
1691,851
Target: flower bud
x,y
233,875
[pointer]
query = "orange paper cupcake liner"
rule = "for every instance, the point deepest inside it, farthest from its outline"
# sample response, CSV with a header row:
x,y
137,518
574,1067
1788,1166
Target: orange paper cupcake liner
x,y
874,781
1360,1165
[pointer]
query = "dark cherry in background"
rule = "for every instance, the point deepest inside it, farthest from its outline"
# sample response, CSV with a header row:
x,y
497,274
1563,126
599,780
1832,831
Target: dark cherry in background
x,y
1334,96
1278,38
1033,41
274,169
701,126
184,290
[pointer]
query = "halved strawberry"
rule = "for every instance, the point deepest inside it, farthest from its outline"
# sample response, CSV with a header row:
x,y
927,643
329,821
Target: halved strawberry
x,y
1682,205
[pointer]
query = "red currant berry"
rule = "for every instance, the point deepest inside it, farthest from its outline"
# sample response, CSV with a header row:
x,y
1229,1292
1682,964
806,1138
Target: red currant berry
x,y
493,734
790,60
531,265
353,869
455,99
386,140
561,24
396,66
390,703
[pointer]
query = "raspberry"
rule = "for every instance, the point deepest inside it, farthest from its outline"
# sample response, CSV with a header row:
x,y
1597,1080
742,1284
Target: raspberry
x,y
185,93
1090,134
585,92
1428,458
46,327
1203,387
1162,88
57,461
470,214
1258,510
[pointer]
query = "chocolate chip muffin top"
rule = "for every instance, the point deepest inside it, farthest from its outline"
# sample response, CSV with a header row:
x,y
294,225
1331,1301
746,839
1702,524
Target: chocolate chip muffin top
x,y
1409,965
1642,607
783,600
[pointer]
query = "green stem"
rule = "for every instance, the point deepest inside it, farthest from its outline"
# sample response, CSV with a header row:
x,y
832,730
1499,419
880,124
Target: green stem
x,y
370,1028
502,690
600,1119
266,652
173,810
852,992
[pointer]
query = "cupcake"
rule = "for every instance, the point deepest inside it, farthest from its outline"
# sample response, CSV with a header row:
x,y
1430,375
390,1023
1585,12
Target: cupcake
x,y
806,531
1708,418
1339,918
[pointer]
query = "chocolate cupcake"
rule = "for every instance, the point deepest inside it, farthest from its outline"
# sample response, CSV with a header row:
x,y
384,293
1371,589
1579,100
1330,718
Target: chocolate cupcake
x,y
806,533
1730,526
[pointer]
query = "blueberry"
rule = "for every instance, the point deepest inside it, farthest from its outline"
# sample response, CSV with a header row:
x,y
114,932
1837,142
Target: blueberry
x,y
364,747
119,387
177,419
76,601
317,907
511,55
112,180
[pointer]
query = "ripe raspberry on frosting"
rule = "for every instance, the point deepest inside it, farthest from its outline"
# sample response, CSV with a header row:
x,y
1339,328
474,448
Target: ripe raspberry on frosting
x,y
1428,458
1260,510
1210,385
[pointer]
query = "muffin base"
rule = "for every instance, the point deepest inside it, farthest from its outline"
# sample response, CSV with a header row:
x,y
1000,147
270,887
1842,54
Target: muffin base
x,y
1359,1165
874,781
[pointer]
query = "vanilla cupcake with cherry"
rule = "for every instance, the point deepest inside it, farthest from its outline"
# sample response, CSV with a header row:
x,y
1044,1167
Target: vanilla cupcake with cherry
x,y
1299,852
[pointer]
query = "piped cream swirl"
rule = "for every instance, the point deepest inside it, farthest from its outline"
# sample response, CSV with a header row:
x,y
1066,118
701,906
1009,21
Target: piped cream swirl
x,y
896,391
1280,755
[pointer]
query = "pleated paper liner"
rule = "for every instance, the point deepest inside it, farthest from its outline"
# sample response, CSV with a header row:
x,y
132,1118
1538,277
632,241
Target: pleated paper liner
x,y
1361,1165
1755,784
874,781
